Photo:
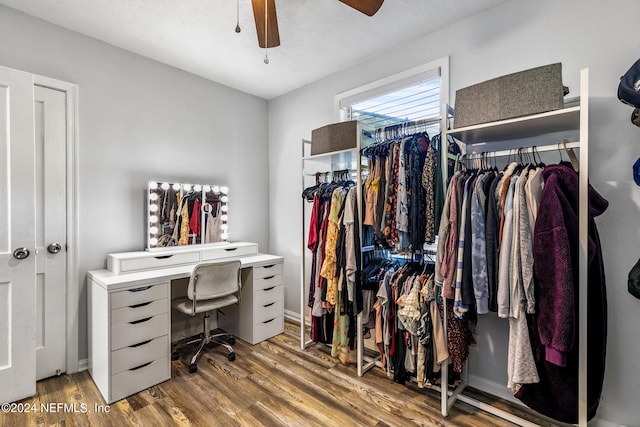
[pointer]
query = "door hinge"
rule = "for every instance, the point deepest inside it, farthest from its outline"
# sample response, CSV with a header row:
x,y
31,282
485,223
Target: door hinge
x,y
66,247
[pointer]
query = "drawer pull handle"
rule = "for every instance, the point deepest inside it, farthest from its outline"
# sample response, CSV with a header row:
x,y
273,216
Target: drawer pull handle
x,y
268,289
269,321
142,304
140,289
269,305
163,256
230,249
140,343
141,366
269,278
269,266
135,322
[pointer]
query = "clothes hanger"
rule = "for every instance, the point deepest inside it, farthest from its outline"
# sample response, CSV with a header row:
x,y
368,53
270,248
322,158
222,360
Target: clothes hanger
x,y
575,164
539,163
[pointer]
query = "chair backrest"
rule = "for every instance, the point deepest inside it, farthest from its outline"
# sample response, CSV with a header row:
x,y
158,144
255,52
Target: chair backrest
x,y
216,279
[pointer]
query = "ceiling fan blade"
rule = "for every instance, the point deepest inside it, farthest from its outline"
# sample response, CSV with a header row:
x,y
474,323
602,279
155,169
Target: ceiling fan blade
x,y
368,7
272,37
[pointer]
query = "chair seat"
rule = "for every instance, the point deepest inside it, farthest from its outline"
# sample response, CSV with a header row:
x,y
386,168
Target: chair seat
x,y
185,305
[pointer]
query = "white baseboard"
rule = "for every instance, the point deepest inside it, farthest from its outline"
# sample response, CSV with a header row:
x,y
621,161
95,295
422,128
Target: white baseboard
x,y
491,387
292,315
503,392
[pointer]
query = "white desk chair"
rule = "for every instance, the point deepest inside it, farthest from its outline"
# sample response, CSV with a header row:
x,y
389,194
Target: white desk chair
x,y
212,285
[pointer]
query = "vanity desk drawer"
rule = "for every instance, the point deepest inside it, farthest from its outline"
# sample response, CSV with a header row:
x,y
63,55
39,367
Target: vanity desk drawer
x,y
138,331
266,311
268,328
268,295
139,377
268,270
139,295
137,312
138,354
229,251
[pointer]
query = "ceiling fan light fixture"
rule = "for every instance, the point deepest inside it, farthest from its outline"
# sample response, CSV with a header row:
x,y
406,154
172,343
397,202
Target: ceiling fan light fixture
x,y
264,14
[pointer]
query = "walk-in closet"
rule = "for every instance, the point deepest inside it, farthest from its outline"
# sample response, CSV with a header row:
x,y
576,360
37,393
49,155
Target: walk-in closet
x,y
319,213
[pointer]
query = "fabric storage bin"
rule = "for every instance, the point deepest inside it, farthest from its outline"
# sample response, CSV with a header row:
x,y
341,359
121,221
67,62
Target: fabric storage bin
x,y
533,91
334,137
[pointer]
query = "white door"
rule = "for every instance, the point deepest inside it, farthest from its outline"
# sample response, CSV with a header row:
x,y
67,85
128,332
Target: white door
x,y
17,237
51,231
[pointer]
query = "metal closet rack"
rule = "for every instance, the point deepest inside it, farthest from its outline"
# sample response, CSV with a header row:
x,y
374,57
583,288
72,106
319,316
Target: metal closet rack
x,y
566,119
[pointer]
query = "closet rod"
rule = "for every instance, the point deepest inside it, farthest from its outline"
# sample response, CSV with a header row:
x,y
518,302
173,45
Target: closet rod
x,y
419,122
407,128
501,153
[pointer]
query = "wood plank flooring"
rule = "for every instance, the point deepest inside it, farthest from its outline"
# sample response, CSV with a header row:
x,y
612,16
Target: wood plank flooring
x,y
271,384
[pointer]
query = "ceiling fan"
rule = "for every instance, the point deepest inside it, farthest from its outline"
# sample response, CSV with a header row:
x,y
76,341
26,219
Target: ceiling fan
x,y
264,14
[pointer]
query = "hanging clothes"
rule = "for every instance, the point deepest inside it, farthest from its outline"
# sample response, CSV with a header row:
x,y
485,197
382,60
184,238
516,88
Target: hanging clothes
x,y
554,328
335,295
213,224
394,192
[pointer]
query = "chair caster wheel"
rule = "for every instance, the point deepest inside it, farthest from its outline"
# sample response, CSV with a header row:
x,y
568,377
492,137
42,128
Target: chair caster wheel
x,y
193,368
175,355
232,340
231,357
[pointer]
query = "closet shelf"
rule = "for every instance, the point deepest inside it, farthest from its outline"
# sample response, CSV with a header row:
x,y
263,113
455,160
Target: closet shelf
x,y
333,155
520,127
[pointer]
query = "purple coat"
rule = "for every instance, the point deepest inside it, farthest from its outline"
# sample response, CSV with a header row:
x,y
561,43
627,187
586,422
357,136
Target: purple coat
x,y
554,327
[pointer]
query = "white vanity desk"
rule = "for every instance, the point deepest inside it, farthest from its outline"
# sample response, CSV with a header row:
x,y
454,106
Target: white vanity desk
x,y
130,314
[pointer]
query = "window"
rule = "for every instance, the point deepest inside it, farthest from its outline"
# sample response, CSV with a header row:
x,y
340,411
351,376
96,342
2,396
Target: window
x,y
412,96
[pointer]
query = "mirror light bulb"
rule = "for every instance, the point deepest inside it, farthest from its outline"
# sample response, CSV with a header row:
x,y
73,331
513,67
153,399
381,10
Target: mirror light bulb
x,y
224,227
224,190
153,185
165,186
206,188
153,219
153,241
224,236
187,187
216,189
153,208
223,208
176,187
224,199
197,188
153,196
153,230
225,217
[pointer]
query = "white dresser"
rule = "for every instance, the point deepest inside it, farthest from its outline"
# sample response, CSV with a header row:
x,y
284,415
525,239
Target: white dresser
x,y
130,316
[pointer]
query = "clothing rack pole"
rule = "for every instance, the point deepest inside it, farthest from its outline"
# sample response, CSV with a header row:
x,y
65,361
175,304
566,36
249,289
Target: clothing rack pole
x,y
303,306
583,253
444,167
406,128
502,153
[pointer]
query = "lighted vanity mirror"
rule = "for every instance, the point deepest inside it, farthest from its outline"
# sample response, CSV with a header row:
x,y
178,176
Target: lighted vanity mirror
x,y
182,215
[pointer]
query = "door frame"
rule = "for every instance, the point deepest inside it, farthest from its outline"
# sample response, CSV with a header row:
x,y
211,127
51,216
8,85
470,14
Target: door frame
x,y
73,280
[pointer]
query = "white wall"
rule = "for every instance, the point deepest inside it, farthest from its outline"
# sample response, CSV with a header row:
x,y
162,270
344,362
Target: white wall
x,y
511,37
141,120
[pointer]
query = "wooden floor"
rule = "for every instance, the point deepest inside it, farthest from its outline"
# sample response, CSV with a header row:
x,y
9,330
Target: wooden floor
x,y
271,384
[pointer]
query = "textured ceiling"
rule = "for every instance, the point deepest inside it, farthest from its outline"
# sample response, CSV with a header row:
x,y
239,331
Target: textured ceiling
x,y
318,37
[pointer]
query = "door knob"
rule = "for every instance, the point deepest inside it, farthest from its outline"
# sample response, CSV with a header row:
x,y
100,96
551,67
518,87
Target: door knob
x,y
21,253
54,248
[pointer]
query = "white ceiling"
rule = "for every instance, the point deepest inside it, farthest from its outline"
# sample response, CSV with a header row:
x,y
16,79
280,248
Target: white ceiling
x,y
318,37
